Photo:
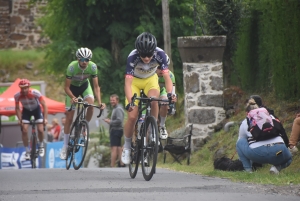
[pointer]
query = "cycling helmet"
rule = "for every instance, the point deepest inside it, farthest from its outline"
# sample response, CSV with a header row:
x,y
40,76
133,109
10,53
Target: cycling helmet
x,y
24,83
145,44
84,53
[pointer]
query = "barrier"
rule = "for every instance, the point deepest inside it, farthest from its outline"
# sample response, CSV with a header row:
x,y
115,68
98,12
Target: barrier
x,y
14,158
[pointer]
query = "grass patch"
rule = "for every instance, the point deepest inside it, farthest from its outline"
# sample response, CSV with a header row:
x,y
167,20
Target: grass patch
x,y
14,60
202,161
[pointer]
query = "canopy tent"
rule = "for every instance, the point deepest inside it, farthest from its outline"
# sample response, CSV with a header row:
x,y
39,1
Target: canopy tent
x,y
7,102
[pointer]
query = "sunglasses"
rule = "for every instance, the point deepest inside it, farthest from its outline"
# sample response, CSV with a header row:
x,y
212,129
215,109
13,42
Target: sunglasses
x,y
23,86
84,60
144,55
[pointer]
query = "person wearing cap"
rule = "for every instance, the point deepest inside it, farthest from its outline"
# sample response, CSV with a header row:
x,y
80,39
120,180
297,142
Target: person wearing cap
x,y
273,151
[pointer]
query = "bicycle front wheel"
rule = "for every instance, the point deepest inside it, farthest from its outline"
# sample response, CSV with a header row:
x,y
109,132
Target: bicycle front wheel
x,y
33,154
149,147
70,150
135,158
81,144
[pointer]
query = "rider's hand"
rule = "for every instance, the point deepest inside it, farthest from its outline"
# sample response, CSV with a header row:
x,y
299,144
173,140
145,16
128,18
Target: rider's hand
x,y
74,100
173,97
102,106
129,107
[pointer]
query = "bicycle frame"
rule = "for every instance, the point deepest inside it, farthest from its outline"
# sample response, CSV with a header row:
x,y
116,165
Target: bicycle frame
x,y
79,140
145,149
33,143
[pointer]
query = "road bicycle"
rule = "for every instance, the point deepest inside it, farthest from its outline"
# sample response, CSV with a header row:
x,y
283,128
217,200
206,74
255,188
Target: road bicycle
x,y
79,135
144,145
34,151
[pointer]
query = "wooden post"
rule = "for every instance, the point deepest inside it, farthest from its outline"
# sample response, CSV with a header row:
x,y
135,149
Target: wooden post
x,y
167,33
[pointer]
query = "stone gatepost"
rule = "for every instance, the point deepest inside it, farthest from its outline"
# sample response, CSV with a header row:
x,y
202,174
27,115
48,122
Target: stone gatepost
x,y
203,84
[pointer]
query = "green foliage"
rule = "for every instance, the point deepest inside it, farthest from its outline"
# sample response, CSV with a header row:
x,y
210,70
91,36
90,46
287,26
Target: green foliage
x,y
268,48
223,18
109,29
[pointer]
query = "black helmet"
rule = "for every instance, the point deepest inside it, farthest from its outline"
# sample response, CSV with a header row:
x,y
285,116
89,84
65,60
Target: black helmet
x,y
145,44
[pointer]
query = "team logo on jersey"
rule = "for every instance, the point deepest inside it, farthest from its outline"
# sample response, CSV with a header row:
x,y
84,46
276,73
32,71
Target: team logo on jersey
x,y
94,67
71,69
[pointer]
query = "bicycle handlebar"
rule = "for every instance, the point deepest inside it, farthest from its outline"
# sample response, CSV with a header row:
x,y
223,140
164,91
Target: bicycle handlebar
x,y
85,104
134,97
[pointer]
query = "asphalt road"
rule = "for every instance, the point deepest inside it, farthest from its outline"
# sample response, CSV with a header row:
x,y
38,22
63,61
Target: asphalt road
x,y
110,184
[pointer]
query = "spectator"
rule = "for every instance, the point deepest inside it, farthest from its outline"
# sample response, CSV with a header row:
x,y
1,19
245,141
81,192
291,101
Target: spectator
x,y
272,151
116,130
61,135
55,130
49,134
295,134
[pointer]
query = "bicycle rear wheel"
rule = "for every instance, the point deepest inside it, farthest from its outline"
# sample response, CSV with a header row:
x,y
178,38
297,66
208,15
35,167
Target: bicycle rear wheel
x,y
81,144
33,154
149,148
135,158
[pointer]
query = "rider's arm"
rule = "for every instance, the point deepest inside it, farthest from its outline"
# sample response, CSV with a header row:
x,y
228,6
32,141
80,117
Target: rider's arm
x,y
97,90
45,109
67,88
127,87
168,81
18,111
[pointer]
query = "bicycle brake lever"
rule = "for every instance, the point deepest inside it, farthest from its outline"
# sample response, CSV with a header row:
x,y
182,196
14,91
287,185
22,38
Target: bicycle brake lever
x,y
100,113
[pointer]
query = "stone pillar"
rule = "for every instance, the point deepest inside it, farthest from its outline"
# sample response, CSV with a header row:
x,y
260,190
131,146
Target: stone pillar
x,y
203,84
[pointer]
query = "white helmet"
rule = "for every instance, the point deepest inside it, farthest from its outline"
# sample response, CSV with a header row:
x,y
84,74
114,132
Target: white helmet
x,y
84,53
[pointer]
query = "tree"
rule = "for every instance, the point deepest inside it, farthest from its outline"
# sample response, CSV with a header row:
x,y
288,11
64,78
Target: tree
x,y
109,28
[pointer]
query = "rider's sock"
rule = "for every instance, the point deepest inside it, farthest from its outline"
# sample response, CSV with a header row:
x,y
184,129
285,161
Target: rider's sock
x,y
162,121
66,139
127,144
27,149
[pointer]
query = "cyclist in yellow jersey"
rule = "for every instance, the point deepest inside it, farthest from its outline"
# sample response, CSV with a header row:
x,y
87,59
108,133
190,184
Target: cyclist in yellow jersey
x,y
77,84
140,74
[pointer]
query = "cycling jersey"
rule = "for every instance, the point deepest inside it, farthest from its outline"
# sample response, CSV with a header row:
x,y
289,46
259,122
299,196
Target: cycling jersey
x,y
137,68
161,79
78,75
30,101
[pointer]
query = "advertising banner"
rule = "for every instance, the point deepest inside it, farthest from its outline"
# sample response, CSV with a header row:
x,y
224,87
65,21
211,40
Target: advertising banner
x,y
52,155
14,158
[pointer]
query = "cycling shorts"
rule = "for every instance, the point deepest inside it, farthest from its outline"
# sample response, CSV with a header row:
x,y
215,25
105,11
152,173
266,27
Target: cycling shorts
x,y
145,84
37,113
85,91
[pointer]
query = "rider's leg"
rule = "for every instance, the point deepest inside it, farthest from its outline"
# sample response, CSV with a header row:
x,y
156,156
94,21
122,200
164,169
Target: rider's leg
x,y
89,112
154,104
67,128
129,127
40,128
25,136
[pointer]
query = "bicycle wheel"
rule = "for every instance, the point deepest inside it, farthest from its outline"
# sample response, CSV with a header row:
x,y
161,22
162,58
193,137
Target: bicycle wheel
x,y
135,158
149,148
70,151
33,151
81,144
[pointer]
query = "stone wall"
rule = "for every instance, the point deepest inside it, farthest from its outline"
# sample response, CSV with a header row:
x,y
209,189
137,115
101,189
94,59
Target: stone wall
x,y
203,85
18,29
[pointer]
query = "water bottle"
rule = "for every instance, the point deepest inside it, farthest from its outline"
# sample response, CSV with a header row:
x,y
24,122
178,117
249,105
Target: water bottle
x,y
140,121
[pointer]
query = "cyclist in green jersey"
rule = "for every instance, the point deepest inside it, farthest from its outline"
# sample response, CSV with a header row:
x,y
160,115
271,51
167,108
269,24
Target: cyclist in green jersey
x,y
77,84
163,111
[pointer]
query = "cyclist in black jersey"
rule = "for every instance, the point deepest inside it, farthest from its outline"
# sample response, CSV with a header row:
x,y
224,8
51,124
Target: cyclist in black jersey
x,y
77,84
